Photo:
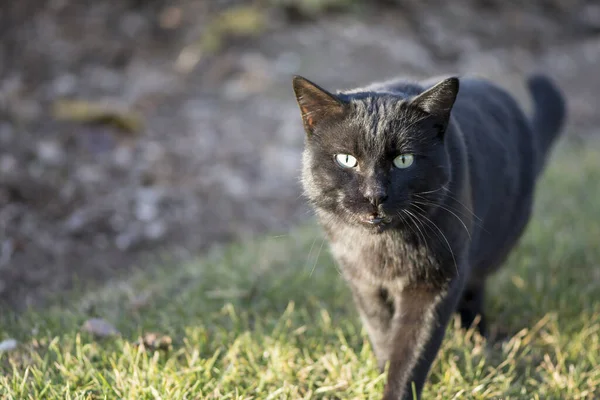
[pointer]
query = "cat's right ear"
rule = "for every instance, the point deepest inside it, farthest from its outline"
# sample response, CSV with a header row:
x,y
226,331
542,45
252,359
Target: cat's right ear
x,y
439,99
316,104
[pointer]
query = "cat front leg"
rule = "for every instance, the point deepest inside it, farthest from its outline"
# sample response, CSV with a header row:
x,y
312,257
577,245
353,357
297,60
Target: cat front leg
x,y
376,309
418,328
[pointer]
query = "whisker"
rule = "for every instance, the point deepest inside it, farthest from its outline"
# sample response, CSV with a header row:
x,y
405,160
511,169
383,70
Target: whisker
x,y
446,209
420,234
443,236
433,191
308,257
467,209
417,221
317,258
456,200
427,202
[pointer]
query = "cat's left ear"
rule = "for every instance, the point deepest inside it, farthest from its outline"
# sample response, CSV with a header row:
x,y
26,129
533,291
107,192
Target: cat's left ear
x,y
439,99
316,104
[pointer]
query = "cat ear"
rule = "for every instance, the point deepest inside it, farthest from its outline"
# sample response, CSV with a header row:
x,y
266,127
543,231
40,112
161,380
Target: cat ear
x,y
315,103
439,99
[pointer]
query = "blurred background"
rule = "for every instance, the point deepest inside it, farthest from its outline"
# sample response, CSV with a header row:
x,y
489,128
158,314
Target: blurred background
x,y
133,132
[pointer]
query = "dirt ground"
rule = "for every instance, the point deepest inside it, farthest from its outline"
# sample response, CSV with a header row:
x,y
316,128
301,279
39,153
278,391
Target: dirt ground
x,y
218,156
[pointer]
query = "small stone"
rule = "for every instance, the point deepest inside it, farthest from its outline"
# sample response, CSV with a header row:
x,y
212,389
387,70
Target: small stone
x,y
6,132
132,24
89,174
8,345
76,222
118,222
7,163
99,327
127,240
6,252
146,211
236,185
170,17
188,59
147,201
27,109
155,230
105,78
50,152
153,152
123,156
589,17
64,85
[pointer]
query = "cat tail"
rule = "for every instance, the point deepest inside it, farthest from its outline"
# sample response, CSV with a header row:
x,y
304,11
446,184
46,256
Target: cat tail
x,y
549,113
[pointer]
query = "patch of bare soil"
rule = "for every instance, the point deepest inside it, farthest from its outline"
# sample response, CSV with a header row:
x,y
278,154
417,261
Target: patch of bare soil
x,y
218,154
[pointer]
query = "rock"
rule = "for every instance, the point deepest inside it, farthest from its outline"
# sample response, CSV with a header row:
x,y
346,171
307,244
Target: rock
x,y
123,156
77,222
6,132
64,85
50,152
146,211
99,327
127,240
132,24
589,17
7,164
235,184
90,174
155,230
171,17
25,109
147,202
153,152
6,251
105,79
8,345
89,220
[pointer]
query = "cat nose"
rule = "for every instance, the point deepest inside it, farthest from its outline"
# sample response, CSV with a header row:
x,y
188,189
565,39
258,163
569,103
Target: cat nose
x,y
376,196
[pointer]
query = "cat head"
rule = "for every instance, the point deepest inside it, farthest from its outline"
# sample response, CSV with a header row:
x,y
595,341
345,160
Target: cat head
x,y
375,159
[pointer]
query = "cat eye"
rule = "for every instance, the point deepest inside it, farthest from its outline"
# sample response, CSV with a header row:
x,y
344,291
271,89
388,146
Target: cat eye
x,y
404,161
346,160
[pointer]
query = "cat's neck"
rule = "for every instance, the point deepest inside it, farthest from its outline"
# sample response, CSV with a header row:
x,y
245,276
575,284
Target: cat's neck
x,y
403,254
375,258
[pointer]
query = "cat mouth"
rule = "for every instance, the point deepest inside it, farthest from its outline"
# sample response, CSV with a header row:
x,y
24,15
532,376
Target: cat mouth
x,y
376,219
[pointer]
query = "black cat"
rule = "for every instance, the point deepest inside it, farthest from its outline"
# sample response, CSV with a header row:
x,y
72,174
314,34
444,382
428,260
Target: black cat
x,y
422,190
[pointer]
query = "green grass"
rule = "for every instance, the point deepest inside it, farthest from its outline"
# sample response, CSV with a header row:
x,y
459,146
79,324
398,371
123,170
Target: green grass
x,y
272,319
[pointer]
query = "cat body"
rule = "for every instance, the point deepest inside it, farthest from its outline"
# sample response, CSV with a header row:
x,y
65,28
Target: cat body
x,y
422,191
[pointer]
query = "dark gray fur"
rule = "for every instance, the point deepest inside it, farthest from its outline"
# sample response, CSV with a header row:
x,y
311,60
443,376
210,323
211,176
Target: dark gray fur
x,y
449,220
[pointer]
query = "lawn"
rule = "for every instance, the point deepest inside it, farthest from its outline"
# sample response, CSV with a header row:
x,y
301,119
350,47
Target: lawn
x,y
271,319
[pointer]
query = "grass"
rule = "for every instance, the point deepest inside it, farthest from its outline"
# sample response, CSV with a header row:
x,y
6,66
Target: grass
x,y
271,319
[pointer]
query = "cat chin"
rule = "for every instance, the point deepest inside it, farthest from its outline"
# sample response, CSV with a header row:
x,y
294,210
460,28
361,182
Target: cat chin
x,y
377,229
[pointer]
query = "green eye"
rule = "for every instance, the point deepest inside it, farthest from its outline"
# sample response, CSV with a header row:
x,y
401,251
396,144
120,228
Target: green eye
x,y
404,160
346,160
